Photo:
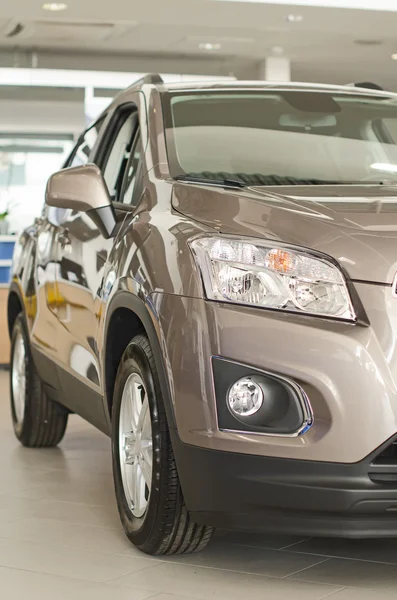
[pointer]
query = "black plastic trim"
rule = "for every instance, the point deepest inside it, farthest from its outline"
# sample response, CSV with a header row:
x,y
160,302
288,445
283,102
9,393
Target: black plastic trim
x,y
286,410
260,493
124,299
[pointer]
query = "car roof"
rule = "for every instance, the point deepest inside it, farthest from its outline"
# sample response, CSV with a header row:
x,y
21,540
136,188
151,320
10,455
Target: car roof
x,y
155,81
266,85
227,84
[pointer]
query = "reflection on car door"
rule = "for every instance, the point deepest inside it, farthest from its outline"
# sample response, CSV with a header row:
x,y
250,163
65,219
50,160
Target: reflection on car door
x,y
84,253
41,296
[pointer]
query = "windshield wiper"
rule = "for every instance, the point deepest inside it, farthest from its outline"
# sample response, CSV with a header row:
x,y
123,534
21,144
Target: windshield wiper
x,y
208,181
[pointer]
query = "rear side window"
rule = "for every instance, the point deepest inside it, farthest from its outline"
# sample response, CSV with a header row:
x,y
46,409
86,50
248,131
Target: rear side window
x,y
85,145
133,184
119,153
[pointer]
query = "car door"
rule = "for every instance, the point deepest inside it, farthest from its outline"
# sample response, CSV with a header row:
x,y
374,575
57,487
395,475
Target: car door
x,y
83,255
43,300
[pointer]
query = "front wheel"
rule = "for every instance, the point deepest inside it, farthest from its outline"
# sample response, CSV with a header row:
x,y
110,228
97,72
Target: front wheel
x,y
149,496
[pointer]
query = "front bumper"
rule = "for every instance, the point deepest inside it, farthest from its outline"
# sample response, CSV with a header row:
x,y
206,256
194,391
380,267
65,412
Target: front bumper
x,y
257,493
348,372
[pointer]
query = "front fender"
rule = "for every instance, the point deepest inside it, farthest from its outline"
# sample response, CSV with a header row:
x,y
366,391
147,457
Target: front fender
x,y
145,310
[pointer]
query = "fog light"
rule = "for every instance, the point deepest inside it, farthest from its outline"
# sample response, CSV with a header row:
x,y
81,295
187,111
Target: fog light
x,y
245,397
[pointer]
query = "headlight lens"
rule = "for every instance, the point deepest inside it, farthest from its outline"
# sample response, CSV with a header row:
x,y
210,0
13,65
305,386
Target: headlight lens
x,y
272,276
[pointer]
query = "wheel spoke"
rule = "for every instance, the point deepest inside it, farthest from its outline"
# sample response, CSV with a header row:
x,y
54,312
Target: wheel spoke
x,y
129,448
138,492
146,464
147,425
142,416
18,377
135,445
136,404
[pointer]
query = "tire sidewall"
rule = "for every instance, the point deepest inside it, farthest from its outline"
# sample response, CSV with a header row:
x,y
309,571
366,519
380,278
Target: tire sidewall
x,y
135,360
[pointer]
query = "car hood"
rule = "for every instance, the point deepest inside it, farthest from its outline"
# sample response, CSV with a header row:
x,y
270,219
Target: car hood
x,y
355,224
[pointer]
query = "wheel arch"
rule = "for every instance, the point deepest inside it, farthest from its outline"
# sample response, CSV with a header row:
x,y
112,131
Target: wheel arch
x,y
127,316
15,306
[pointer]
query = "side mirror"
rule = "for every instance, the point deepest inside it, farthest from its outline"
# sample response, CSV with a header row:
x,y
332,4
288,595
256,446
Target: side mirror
x,y
83,189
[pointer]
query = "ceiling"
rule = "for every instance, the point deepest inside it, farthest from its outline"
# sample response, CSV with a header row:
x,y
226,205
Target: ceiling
x,y
155,33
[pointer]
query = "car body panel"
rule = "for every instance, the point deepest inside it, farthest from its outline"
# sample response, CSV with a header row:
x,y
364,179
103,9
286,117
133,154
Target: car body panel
x,y
353,393
356,225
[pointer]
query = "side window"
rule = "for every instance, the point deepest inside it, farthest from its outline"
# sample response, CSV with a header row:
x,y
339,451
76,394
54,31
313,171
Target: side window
x,y
83,149
133,181
119,153
390,126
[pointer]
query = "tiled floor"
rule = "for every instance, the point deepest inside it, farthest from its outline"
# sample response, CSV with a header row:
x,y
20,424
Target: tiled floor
x,y
60,537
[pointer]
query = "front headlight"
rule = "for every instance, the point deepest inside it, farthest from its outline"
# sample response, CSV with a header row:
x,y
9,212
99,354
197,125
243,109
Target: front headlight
x,y
272,276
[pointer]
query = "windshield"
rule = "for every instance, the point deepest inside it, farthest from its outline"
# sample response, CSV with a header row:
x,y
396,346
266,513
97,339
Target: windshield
x,y
282,137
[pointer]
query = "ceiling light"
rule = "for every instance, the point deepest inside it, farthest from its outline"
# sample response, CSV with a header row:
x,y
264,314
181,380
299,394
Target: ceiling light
x,y
294,18
277,51
394,56
55,6
209,46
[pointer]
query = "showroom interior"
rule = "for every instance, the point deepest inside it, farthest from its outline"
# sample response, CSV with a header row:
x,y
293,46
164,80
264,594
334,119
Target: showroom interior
x,y
61,66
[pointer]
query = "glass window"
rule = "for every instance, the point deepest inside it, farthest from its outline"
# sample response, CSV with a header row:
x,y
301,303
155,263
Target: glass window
x,y
86,143
119,154
391,127
132,188
282,137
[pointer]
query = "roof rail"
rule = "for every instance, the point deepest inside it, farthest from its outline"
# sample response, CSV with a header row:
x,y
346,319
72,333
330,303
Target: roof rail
x,y
153,78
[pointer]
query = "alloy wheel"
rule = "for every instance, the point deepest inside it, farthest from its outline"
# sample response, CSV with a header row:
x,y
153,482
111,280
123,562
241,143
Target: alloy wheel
x,y
136,445
18,378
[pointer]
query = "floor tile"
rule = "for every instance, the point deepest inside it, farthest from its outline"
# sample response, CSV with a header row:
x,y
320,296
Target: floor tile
x,y
375,550
14,502
70,562
205,583
52,531
270,541
77,513
17,585
79,490
351,593
249,560
357,573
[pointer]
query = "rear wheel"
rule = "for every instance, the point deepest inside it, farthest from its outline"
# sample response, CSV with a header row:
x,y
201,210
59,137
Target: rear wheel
x,y
38,422
148,492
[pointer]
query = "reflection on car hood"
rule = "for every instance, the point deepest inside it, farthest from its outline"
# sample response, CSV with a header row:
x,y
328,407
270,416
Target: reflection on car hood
x,y
355,224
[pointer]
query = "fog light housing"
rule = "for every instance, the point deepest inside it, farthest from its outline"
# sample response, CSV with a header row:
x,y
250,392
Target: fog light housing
x,y
245,397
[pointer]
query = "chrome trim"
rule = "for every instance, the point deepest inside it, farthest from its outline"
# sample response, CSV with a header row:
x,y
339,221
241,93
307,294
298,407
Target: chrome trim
x,y
308,416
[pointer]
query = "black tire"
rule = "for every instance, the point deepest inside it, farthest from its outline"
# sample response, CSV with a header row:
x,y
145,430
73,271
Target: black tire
x,y
44,422
166,526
